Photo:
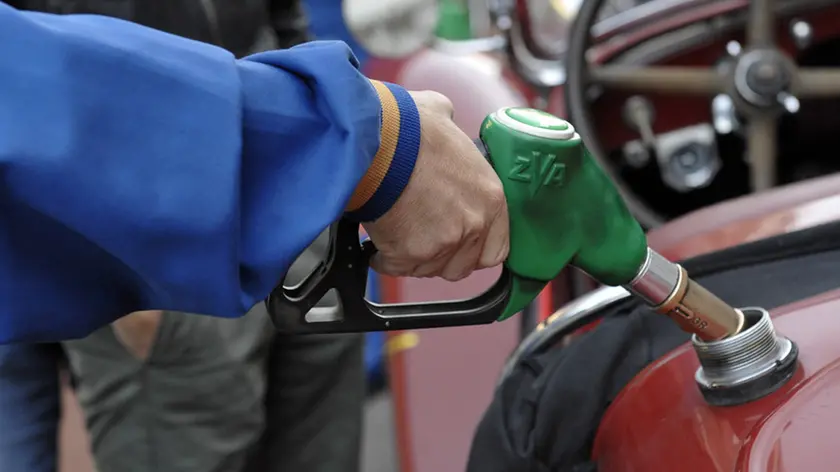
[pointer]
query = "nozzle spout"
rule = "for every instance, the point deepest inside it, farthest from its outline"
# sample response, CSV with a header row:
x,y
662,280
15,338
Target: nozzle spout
x,y
667,287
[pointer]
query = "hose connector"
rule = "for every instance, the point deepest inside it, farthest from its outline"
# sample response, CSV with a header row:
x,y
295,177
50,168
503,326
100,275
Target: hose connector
x,y
667,288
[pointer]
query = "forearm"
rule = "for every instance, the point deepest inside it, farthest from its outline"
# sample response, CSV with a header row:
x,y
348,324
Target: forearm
x,y
145,171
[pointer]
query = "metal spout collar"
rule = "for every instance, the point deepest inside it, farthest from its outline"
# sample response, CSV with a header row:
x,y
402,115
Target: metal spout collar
x,y
667,288
656,279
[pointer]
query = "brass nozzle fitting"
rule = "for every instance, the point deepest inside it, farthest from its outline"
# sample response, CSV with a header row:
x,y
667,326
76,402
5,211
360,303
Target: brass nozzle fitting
x,y
668,289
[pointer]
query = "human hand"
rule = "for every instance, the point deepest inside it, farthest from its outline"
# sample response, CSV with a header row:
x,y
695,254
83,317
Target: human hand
x,y
452,217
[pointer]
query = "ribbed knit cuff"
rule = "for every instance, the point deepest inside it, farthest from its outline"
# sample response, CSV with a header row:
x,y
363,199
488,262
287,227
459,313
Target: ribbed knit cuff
x,y
393,163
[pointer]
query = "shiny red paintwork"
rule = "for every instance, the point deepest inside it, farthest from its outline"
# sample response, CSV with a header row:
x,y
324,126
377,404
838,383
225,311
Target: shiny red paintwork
x,y
661,423
780,210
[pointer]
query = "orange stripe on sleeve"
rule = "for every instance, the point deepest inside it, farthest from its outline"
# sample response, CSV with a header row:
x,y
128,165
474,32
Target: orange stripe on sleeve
x,y
389,137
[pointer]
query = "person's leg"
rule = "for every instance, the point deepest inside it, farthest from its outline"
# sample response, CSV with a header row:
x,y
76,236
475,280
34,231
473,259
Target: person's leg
x,y
176,392
30,407
314,404
173,392
316,394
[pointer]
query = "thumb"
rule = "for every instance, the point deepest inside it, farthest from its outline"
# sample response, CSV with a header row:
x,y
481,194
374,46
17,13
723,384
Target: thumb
x,y
376,262
383,264
497,245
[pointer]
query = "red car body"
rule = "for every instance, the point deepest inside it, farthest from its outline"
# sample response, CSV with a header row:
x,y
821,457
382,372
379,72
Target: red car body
x,y
660,422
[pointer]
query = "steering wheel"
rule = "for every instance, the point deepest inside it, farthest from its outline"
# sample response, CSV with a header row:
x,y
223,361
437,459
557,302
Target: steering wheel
x,y
763,83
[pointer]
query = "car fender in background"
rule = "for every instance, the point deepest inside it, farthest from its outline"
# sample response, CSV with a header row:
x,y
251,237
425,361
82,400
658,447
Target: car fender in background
x,y
443,383
476,84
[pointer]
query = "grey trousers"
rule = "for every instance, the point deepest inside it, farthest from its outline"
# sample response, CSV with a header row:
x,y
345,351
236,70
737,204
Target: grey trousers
x,y
222,395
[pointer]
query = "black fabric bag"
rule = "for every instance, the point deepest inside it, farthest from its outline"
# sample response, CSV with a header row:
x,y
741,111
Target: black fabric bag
x,y
544,416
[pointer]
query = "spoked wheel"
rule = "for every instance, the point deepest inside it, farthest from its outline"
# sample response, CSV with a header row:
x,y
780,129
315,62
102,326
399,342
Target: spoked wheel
x,y
763,84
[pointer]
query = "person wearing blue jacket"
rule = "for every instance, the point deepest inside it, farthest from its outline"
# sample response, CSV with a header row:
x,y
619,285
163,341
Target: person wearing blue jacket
x,y
115,369
141,170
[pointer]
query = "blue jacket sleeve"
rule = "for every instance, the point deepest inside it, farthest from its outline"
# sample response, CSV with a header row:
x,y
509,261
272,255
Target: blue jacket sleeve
x,y
139,170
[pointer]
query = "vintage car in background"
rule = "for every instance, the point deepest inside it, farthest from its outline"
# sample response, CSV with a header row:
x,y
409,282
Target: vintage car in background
x,y
715,118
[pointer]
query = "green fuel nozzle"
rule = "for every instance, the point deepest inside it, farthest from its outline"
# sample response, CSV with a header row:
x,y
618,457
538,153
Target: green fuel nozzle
x,y
562,207
563,210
